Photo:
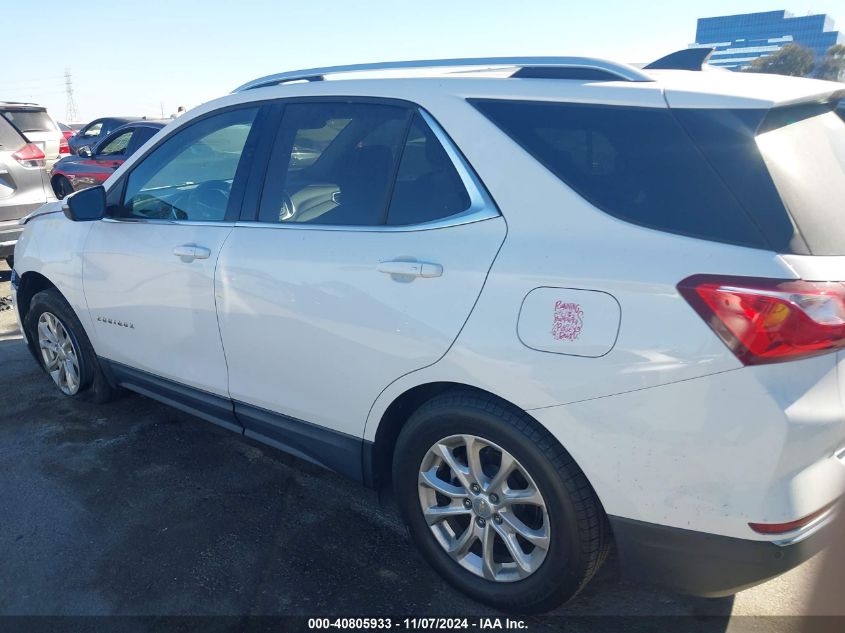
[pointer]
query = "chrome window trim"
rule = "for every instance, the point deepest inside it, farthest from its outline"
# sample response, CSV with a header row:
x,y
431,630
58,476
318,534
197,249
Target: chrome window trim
x,y
155,221
427,226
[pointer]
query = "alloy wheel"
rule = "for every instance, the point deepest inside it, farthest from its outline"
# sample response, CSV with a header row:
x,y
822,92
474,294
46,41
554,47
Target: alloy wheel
x,y
60,356
484,508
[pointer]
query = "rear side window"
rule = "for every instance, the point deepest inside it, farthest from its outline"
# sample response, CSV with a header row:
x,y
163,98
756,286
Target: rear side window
x,y
30,120
333,164
141,136
428,186
636,164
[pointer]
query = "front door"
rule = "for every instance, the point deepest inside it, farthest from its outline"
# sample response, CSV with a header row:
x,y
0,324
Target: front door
x,y
369,251
149,267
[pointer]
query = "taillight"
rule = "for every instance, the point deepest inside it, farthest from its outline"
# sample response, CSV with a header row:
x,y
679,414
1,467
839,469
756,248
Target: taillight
x,y
64,148
770,320
30,156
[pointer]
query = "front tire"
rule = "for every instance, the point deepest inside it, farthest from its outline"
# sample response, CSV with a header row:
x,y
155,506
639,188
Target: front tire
x,y
496,505
63,349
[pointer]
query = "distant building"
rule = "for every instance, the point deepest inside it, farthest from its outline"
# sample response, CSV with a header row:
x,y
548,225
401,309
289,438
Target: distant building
x,y
740,39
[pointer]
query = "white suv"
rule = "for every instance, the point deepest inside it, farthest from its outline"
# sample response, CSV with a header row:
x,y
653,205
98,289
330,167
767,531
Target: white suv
x,y
553,303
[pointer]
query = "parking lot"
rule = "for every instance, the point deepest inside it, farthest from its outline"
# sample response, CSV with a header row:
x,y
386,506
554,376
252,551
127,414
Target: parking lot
x,y
135,508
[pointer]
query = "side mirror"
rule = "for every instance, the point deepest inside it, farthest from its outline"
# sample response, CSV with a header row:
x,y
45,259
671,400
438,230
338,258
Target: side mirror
x,y
85,152
86,205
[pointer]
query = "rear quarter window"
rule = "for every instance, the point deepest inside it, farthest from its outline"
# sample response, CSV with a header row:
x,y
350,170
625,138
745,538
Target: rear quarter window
x,y
636,164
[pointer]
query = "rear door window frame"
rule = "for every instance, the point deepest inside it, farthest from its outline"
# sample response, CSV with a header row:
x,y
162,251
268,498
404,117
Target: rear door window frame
x,y
482,206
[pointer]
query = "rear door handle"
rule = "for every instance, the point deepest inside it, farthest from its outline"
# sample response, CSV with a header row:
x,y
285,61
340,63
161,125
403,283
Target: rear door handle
x,y
190,252
410,269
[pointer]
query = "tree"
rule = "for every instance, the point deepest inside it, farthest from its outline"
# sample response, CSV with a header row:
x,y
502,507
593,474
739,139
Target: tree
x,y
793,60
832,67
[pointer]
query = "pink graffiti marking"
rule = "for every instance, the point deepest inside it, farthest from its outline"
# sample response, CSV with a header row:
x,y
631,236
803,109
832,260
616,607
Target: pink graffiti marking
x,y
568,321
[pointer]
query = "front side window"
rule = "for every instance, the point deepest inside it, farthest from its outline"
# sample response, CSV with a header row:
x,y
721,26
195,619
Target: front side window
x,y
116,146
141,136
190,175
333,164
93,130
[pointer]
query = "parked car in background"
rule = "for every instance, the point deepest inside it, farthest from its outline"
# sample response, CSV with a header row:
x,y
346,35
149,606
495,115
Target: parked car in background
x,y
38,127
97,130
67,131
23,184
96,163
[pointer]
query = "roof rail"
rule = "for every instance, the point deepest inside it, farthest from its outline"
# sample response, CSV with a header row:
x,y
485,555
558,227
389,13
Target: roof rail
x,y
611,70
684,59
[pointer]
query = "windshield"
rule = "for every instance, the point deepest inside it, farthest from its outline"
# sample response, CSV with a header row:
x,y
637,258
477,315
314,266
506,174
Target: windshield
x,y
805,156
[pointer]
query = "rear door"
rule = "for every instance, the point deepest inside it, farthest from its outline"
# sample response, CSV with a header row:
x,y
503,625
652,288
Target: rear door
x,y
362,263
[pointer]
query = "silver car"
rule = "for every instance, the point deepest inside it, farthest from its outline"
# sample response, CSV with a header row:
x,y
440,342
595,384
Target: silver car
x,y
24,183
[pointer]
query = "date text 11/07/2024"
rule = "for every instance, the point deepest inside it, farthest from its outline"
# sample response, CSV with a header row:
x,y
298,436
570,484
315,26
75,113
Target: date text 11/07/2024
x,y
429,624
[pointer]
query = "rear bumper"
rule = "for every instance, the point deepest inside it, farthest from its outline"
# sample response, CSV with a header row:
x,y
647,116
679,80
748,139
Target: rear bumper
x,y
9,234
705,564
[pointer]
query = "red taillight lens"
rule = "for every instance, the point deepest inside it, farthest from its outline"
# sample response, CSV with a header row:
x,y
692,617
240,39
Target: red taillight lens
x,y
30,156
770,320
64,148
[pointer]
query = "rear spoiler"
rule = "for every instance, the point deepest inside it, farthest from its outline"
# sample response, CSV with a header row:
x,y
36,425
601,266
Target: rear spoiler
x,y
685,59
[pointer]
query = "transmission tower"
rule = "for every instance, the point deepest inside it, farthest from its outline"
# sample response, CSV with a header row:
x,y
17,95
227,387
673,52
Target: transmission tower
x,y
70,102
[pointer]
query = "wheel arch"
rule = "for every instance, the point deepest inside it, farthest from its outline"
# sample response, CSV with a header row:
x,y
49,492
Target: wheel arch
x,y
54,180
378,457
30,284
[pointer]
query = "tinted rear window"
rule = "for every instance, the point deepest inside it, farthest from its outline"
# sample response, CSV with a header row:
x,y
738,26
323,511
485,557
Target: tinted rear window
x,y
637,164
30,120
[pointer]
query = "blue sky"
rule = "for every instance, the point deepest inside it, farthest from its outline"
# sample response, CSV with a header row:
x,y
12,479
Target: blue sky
x,y
135,57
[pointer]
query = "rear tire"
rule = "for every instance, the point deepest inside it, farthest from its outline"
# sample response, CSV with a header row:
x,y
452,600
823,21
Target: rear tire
x,y
63,349
62,187
573,527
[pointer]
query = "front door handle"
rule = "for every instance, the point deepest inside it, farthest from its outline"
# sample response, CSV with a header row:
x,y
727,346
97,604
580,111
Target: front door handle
x,y
190,252
410,269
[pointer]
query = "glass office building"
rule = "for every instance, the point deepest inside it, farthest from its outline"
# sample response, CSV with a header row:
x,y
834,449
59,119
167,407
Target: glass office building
x,y
740,39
